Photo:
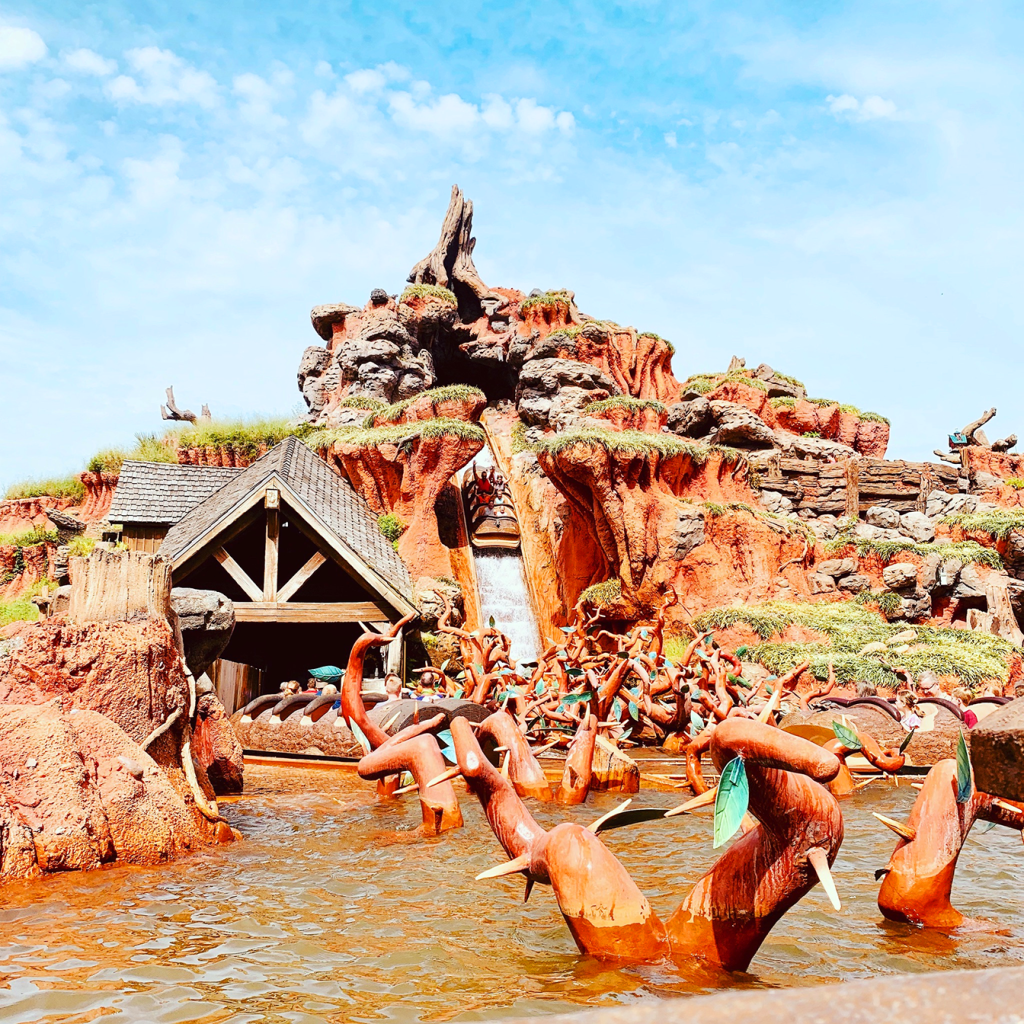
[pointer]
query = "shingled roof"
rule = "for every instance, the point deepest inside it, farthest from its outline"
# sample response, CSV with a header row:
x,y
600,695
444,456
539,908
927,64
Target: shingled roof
x,y
162,493
325,498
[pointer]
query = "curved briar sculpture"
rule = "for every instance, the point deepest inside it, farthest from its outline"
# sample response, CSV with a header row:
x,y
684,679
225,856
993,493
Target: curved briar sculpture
x,y
919,875
889,760
729,911
412,750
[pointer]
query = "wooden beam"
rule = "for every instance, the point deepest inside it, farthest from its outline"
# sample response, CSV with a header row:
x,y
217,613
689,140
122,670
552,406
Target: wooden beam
x,y
270,556
289,589
307,611
238,574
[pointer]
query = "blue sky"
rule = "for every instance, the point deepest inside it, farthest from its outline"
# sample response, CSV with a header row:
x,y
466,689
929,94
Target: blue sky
x,y
833,188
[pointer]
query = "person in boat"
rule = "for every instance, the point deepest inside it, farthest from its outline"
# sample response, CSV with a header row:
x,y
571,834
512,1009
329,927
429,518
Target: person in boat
x,y
393,687
909,718
962,697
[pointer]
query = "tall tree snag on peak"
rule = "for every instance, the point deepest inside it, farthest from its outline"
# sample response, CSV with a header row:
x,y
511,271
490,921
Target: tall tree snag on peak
x,y
450,263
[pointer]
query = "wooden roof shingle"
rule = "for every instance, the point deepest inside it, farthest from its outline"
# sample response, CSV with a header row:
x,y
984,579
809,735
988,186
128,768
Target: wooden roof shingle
x,y
163,492
324,496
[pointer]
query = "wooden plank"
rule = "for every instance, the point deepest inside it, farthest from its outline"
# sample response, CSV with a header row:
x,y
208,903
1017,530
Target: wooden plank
x,y
238,574
308,611
270,555
887,491
290,588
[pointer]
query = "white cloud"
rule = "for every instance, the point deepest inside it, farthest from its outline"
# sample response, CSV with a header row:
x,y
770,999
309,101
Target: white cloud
x,y
447,115
165,79
870,109
88,62
258,97
20,47
156,181
670,140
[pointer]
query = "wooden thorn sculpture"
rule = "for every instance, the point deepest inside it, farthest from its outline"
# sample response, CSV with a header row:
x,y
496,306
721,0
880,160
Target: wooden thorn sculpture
x,y
850,740
729,911
919,876
412,750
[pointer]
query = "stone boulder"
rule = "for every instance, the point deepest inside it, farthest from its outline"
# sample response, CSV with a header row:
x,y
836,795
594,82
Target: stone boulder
x,y
997,752
737,426
917,526
691,419
207,620
541,380
883,517
898,575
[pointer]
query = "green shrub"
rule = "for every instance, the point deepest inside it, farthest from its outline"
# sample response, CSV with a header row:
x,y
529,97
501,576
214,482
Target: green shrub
x,y
429,291
848,627
889,603
519,442
1016,482
391,526
19,610
245,436
602,594
998,522
81,546
811,433
107,461
58,487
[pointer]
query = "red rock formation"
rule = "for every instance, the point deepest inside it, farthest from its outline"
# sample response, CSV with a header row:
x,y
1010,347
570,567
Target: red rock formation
x,y
99,493
21,515
76,792
84,699
216,746
649,419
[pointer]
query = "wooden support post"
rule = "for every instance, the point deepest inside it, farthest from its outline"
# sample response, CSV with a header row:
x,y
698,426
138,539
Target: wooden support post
x,y
287,592
238,574
927,484
853,488
271,554
396,655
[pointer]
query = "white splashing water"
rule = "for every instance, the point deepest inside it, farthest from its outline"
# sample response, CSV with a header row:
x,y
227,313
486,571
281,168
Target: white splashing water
x,y
504,593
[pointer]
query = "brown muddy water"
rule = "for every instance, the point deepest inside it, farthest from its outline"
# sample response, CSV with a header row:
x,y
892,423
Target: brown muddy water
x,y
335,909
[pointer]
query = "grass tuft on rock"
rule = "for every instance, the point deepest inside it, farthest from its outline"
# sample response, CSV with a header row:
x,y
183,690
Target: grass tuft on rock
x,y
873,417
435,292
624,402
847,627
782,402
519,441
603,594
702,383
448,393
998,522
967,551
28,538
391,527
56,487
362,402
549,300
365,437
636,443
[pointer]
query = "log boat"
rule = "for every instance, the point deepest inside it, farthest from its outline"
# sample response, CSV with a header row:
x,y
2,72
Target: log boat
x,y
489,508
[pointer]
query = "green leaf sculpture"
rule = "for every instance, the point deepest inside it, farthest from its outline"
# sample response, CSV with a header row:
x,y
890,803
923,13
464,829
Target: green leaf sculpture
x,y
696,721
327,673
846,736
730,801
963,770
359,735
906,740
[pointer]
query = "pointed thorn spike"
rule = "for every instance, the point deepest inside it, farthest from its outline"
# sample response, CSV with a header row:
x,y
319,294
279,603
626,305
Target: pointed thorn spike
x,y
702,800
903,831
594,826
511,867
529,889
445,776
818,859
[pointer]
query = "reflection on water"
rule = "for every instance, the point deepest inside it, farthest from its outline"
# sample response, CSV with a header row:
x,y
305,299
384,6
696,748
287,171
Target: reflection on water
x,y
335,909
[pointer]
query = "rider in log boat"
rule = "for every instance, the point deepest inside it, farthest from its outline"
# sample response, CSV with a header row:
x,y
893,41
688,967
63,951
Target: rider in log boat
x,y
492,517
